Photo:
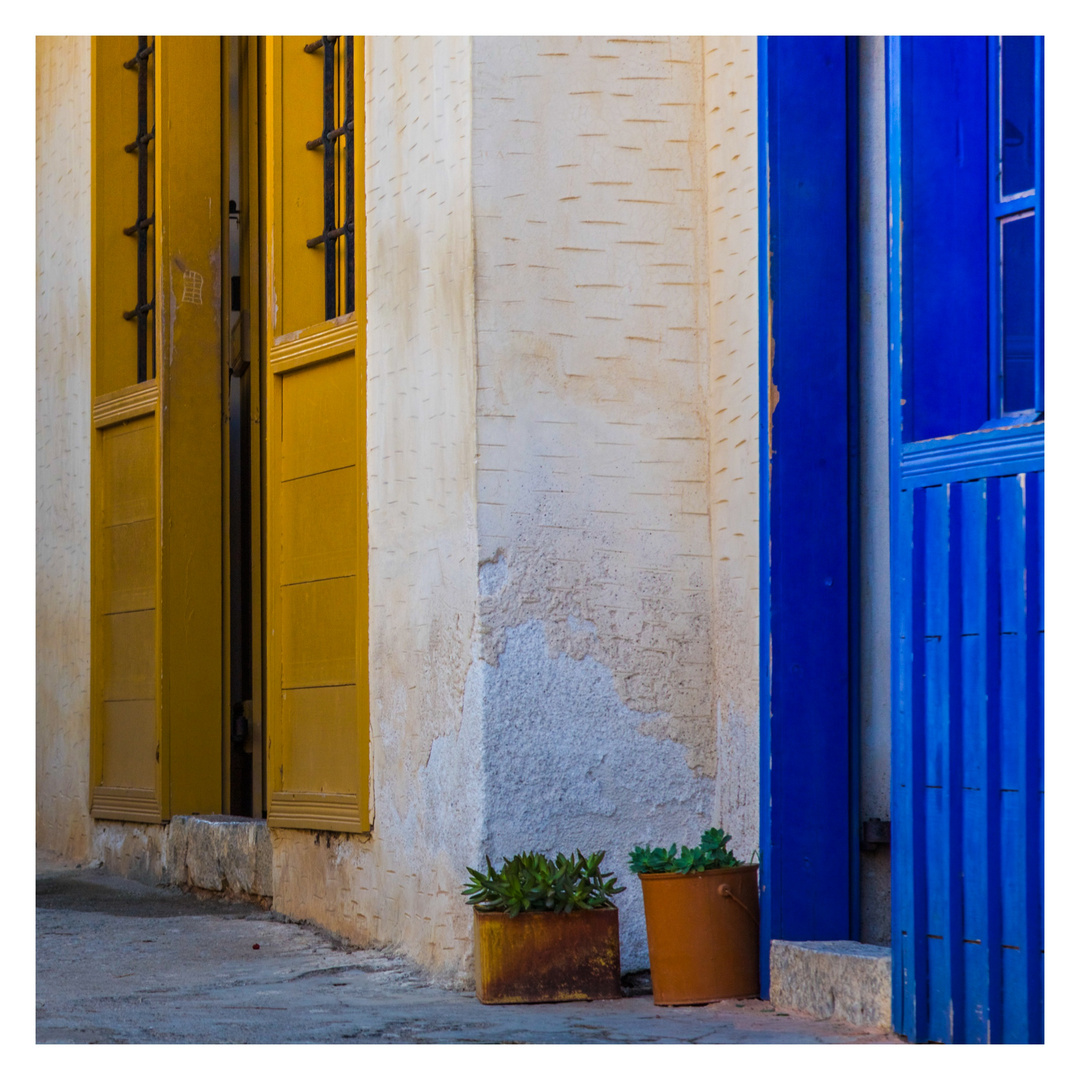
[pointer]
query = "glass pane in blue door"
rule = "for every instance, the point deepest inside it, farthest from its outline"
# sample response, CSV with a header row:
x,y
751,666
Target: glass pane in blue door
x,y
1018,312
1017,115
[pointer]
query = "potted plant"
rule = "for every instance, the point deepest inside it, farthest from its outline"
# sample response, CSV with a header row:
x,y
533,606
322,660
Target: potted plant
x,y
545,930
701,920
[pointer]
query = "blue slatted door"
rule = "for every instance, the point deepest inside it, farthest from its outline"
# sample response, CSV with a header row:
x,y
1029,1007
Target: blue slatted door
x,y
967,590
970,563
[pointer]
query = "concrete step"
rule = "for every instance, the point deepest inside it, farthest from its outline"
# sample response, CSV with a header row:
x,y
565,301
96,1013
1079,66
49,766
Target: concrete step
x,y
837,980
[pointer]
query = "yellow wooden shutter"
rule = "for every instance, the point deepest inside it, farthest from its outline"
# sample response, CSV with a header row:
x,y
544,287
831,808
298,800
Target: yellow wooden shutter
x,y
156,446
316,524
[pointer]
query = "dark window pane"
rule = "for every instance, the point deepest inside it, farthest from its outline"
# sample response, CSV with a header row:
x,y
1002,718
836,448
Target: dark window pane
x,y
1017,114
1018,312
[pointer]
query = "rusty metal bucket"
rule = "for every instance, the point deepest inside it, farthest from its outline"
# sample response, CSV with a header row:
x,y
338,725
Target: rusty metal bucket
x,y
703,935
543,956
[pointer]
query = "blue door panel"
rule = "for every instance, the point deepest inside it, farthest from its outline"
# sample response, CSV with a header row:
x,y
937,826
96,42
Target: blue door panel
x,y
967,552
946,242
968,761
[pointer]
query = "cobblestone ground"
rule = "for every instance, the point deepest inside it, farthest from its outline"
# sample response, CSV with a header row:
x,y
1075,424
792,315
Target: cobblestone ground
x,y
123,962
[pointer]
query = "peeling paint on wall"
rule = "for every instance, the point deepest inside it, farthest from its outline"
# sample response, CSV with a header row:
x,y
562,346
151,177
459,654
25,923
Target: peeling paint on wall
x,y
568,766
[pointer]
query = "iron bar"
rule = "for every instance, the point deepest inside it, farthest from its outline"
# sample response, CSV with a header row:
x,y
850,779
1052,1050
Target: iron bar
x,y
139,230
142,226
330,136
328,142
350,240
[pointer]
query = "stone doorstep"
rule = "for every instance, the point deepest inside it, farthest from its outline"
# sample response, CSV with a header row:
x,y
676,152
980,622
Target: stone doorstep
x,y
842,980
220,854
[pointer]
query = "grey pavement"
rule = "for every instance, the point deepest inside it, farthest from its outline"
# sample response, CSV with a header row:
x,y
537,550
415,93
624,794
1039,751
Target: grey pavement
x,y
123,962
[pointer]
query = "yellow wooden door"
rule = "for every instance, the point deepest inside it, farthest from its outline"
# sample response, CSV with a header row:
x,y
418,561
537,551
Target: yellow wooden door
x,y
316,527
155,453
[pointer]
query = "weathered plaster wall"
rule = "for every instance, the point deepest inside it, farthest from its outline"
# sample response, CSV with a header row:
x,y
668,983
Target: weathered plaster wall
x,y
612,716
403,885
63,444
562,499
732,192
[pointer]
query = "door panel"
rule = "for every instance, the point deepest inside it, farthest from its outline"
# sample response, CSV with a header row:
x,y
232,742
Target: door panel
x,y
969,799
318,514
318,638
968,563
318,418
316,567
316,717
155,452
129,754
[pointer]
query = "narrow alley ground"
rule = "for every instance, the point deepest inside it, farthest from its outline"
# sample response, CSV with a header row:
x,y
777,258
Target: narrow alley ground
x,y
123,962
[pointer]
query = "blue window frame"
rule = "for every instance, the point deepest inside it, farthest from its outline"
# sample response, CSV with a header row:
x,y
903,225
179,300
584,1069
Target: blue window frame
x,y
1015,204
973,227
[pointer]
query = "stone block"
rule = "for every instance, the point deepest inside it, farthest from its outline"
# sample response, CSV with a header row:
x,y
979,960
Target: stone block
x,y
840,980
221,854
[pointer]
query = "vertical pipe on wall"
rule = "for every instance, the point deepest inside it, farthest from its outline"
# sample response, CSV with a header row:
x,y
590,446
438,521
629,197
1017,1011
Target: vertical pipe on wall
x,y
873,486
900,510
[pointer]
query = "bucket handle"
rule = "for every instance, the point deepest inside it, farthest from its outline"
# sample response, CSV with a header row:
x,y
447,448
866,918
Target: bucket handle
x,y
725,891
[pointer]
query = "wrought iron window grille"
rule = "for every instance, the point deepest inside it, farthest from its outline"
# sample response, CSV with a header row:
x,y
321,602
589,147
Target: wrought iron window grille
x,y
141,145
328,143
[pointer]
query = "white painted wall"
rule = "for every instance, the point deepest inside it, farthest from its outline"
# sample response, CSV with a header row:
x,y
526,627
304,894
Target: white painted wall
x,y
609,490
63,444
731,112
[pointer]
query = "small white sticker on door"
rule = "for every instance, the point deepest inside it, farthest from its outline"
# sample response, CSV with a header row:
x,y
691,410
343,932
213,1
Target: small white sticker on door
x,y
193,283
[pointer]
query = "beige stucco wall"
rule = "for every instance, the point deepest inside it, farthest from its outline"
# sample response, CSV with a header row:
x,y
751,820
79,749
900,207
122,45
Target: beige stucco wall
x,y
402,886
63,444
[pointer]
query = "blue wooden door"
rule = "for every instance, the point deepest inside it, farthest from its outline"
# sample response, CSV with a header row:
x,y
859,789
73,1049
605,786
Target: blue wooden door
x,y
966,428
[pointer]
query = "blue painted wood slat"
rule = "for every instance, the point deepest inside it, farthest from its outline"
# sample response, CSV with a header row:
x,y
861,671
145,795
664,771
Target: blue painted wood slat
x,y
1034,485
1013,773
936,788
917,737
974,932
992,589
905,968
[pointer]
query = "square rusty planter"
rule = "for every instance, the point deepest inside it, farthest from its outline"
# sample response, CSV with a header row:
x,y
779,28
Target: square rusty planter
x,y
541,956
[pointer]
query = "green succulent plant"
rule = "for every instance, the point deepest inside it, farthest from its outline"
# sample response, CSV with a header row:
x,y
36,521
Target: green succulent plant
x,y
711,854
533,882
